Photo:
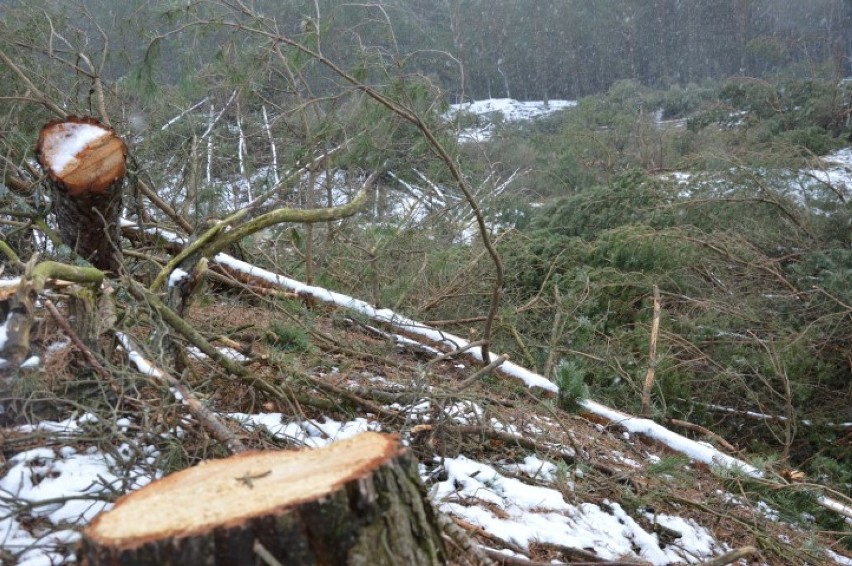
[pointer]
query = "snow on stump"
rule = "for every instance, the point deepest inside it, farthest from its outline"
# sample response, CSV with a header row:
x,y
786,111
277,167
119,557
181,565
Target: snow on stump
x,y
85,164
356,501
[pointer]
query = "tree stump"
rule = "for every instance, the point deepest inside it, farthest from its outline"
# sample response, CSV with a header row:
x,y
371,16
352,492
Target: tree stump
x,y
85,164
357,501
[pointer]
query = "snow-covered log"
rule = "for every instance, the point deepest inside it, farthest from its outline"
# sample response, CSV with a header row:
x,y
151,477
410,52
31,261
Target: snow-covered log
x,y
85,164
356,501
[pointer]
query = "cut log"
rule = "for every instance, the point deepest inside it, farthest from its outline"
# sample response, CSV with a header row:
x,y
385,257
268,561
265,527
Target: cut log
x,y
357,501
85,165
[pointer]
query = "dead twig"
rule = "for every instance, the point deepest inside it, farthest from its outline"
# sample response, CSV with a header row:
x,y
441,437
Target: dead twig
x,y
164,206
347,395
730,557
90,357
455,352
497,362
704,432
652,356
208,419
460,537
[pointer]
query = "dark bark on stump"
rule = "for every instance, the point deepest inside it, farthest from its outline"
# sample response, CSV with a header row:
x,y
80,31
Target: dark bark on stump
x,y
89,225
358,501
85,164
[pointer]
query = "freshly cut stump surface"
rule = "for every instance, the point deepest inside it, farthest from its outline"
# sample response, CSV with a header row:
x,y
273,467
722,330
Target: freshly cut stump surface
x,y
356,501
85,164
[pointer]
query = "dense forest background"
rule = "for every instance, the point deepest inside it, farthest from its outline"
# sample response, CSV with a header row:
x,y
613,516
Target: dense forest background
x,y
513,48
528,50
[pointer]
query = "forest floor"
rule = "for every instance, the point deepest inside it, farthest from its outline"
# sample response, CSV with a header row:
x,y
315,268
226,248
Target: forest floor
x,y
521,476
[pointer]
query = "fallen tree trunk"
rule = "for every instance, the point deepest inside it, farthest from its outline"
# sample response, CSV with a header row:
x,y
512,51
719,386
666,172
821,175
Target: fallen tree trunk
x,y
85,165
357,501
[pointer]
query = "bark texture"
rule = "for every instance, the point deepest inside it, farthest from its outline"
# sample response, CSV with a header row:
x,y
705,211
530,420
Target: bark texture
x,y
358,501
85,164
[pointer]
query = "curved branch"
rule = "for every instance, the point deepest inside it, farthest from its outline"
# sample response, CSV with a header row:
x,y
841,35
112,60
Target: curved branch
x,y
289,215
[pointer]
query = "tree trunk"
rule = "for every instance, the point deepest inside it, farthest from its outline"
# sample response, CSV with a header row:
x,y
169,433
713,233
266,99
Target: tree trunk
x,y
85,163
357,501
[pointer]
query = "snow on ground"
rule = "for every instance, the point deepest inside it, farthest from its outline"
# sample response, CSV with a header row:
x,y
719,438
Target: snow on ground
x,y
837,172
310,433
506,110
47,493
65,487
819,189
512,110
842,157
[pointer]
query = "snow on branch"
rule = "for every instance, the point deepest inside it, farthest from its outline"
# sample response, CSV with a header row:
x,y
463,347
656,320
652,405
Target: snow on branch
x,y
143,365
383,315
184,113
695,450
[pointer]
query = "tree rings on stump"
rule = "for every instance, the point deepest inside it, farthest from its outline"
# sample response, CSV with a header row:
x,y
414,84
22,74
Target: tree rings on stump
x,y
85,164
356,501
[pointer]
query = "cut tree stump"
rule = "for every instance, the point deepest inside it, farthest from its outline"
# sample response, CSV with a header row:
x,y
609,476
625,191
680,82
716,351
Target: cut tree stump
x,y
85,164
356,501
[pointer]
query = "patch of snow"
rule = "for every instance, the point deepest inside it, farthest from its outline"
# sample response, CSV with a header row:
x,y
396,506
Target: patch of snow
x,y
4,333
166,235
840,157
62,147
536,468
310,433
418,411
620,457
57,345
144,367
508,109
821,190
767,511
537,514
230,353
465,412
468,478
62,489
31,363
838,558
177,276
649,548
695,543
500,427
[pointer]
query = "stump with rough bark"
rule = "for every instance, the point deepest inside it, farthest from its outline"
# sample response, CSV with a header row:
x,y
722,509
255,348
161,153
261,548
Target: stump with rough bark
x,y
357,501
85,164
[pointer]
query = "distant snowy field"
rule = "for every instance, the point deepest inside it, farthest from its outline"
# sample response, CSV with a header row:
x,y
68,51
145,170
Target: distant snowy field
x,y
505,109
822,189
